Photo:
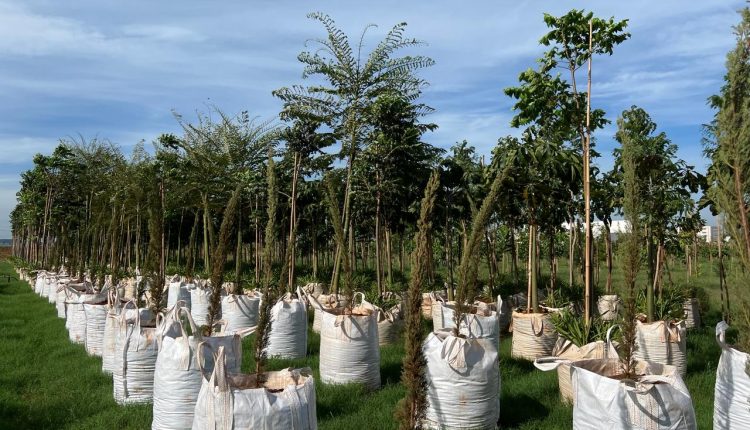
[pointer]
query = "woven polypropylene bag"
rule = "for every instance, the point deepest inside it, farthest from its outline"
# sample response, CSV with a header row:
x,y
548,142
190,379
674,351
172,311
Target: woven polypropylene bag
x,y
663,342
349,350
96,318
180,366
200,299
463,382
134,361
240,311
177,290
288,337
565,349
533,336
732,389
325,303
609,306
286,400
658,400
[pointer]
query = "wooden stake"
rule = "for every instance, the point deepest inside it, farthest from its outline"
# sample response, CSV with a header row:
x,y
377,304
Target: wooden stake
x,y
586,187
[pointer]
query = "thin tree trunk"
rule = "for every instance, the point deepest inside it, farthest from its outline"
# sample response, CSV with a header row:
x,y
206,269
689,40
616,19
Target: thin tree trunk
x,y
388,255
378,259
608,242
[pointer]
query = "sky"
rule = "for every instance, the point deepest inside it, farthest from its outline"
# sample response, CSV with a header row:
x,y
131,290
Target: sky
x,y
119,70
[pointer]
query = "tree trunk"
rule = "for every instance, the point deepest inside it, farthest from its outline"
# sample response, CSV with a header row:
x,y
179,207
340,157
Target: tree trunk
x,y
206,243
533,302
238,252
388,255
378,259
608,242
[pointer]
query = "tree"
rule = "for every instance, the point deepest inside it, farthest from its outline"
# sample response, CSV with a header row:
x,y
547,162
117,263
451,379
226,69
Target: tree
x,y
665,185
574,39
393,165
303,140
354,83
729,173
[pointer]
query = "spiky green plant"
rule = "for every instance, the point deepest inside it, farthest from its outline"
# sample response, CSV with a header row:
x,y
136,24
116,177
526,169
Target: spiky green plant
x,y
410,410
576,329
153,266
467,270
263,332
631,250
219,255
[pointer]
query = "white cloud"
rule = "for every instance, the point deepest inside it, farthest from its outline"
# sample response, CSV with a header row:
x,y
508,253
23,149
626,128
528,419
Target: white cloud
x,y
27,34
20,150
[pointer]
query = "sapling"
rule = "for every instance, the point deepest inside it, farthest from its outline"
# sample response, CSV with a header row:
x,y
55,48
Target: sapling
x,y
729,173
219,256
263,332
631,252
154,275
467,270
410,409
338,230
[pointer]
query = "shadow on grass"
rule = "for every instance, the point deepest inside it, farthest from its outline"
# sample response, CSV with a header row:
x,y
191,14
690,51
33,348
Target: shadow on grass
x,y
522,408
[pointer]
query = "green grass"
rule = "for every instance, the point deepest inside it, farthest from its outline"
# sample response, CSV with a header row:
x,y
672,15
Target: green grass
x,y
46,382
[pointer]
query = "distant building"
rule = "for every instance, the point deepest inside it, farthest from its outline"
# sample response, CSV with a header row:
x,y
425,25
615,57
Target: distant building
x,y
619,226
709,233
616,228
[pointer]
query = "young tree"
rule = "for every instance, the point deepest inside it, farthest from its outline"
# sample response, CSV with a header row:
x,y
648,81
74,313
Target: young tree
x,y
574,39
729,173
354,83
665,184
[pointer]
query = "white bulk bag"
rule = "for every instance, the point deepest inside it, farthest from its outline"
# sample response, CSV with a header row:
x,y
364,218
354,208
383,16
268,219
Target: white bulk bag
x,y
463,382
732,389
390,322
40,283
534,336
314,289
52,289
75,313
96,318
504,314
200,300
135,359
659,400
325,303
565,352
178,375
482,323
663,342
231,401
609,306
442,314
288,337
63,294
177,291
692,310
48,281
349,350
111,329
240,311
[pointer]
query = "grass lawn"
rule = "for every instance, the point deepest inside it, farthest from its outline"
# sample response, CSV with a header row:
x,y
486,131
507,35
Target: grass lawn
x,y
47,382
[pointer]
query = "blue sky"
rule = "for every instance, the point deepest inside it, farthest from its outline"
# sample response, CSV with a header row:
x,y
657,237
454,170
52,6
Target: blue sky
x,y
116,70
